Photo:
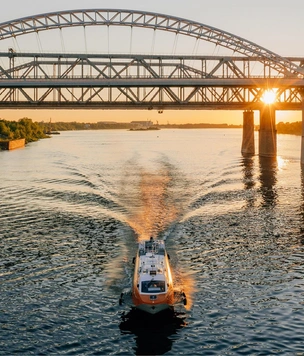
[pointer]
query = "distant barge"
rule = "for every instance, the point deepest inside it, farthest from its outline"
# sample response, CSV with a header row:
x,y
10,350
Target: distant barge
x,y
12,144
52,133
154,128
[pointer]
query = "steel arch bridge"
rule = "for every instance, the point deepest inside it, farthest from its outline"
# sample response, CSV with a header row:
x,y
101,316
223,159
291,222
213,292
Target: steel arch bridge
x,y
111,81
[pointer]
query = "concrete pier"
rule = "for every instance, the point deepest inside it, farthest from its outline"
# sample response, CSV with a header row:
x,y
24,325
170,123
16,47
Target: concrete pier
x,y
268,132
248,133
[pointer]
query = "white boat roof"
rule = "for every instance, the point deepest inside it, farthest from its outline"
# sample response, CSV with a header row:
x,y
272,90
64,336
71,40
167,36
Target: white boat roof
x,y
152,262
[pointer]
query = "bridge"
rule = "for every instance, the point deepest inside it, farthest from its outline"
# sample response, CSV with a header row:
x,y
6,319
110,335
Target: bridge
x,y
237,80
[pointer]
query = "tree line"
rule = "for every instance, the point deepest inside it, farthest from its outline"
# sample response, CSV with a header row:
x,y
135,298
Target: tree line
x,y
71,126
74,126
33,131
291,128
24,128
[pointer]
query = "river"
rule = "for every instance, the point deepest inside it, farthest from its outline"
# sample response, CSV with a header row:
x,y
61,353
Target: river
x,y
73,207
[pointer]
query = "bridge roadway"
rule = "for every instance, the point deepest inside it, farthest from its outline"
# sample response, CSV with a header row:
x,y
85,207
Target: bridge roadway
x,y
132,82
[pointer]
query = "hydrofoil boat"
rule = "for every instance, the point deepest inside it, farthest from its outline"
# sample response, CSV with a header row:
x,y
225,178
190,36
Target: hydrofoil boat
x,y
152,288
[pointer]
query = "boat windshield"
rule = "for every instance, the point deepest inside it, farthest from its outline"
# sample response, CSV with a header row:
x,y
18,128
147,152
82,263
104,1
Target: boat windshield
x,y
153,286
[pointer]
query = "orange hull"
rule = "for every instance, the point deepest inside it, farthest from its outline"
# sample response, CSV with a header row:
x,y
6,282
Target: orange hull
x,y
162,301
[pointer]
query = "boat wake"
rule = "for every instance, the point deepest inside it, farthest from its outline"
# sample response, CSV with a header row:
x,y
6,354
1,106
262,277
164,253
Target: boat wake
x,y
154,209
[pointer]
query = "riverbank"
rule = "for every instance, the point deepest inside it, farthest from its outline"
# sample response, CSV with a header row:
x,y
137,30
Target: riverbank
x,y
15,134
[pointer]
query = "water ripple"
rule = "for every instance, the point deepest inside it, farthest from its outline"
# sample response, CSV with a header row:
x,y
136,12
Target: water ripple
x,y
68,232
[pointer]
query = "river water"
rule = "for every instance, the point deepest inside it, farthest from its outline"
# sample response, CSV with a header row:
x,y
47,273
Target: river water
x,y
73,206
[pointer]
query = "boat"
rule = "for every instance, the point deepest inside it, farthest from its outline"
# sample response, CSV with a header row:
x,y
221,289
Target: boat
x,y
50,131
152,288
53,133
151,128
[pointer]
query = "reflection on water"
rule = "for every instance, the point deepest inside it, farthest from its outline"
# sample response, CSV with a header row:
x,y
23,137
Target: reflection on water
x,y
268,170
248,172
249,178
153,332
302,207
268,167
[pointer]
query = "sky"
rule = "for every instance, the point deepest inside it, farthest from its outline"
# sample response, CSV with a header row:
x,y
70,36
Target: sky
x,y
274,24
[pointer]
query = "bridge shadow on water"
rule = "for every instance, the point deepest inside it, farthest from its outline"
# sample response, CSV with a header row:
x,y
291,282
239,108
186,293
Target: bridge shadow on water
x,y
268,180
152,332
267,174
302,205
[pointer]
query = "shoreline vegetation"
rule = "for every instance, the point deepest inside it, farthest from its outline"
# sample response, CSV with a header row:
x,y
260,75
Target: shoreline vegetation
x,y
31,131
72,126
23,129
290,128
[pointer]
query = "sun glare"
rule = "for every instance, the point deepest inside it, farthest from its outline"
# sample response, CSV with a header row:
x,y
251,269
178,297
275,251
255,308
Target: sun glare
x,y
269,97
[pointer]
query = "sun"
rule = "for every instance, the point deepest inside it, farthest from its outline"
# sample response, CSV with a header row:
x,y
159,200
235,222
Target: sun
x,y
269,97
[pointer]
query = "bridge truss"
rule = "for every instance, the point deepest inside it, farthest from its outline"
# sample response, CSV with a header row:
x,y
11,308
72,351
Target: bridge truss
x,y
144,82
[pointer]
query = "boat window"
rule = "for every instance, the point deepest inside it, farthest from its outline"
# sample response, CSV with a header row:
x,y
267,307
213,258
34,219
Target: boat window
x,y
153,286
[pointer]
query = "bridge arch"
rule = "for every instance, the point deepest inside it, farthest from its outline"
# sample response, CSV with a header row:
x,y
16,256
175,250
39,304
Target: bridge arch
x,y
156,21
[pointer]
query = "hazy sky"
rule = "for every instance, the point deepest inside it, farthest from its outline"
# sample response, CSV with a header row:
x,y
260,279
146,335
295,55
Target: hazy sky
x,y
275,24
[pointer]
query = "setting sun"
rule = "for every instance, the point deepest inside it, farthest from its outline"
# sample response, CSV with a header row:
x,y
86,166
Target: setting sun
x,y
269,97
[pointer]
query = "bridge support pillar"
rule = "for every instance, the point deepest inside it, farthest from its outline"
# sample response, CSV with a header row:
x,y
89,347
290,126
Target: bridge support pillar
x,y
248,133
268,132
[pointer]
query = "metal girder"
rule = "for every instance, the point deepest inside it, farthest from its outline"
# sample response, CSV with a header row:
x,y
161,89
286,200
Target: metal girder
x,y
155,21
142,97
126,81
136,66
